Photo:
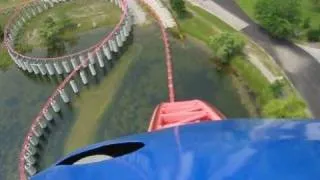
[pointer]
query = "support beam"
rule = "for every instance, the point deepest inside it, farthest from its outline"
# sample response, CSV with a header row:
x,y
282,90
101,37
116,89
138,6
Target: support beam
x,y
50,68
74,86
100,59
58,67
66,66
64,96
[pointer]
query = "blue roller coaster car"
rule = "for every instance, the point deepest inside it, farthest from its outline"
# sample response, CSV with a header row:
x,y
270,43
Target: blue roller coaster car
x,y
219,150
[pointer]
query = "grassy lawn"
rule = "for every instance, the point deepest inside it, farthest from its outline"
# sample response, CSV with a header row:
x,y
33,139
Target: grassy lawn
x,y
5,59
9,3
308,10
202,25
85,14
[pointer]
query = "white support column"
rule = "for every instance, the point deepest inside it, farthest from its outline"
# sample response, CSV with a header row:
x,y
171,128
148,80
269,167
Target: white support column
x,y
55,106
49,68
28,16
64,96
83,77
30,149
74,63
82,60
57,67
42,123
74,86
33,11
39,8
35,68
42,69
107,52
33,140
91,58
111,45
47,115
114,45
125,30
116,2
66,66
29,158
26,63
37,131
51,4
22,64
100,59
92,69
23,19
30,169
122,35
45,5
118,39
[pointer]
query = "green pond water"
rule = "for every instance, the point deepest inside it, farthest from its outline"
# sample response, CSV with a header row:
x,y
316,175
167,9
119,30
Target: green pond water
x,y
118,102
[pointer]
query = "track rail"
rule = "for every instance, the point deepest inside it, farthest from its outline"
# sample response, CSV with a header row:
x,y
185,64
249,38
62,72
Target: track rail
x,y
167,50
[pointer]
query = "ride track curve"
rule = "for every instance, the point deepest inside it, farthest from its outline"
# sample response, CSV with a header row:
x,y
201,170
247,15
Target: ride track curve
x,y
60,88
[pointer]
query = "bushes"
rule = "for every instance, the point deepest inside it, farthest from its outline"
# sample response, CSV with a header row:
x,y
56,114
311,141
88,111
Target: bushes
x,y
279,17
179,7
225,46
313,34
290,107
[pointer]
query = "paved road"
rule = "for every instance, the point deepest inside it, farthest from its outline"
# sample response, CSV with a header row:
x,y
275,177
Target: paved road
x,y
301,68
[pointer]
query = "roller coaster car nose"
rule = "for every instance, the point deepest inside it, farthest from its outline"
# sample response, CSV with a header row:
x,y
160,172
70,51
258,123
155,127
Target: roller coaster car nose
x,y
231,149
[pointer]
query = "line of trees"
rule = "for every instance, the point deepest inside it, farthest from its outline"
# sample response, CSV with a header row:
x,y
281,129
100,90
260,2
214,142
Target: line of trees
x,y
283,19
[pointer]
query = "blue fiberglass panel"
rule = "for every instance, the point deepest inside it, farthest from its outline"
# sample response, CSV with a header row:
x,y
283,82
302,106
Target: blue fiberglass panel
x,y
228,150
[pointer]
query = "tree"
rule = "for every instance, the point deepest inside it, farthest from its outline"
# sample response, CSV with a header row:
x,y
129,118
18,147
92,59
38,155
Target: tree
x,y
279,17
49,31
290,107
226,45
179,7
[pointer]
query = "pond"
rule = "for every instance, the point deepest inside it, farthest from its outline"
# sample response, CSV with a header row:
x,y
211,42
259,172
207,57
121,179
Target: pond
x,y
118,102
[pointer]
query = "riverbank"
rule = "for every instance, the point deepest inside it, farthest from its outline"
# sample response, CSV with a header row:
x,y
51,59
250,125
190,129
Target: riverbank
x,y
202,25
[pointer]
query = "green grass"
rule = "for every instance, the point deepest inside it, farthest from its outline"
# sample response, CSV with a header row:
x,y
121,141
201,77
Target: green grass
x,y
9,3
83,13
5,59
202,25
258,83
308,10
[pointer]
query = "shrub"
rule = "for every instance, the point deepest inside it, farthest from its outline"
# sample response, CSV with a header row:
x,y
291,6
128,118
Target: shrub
x,y
279,17
225,46
313,35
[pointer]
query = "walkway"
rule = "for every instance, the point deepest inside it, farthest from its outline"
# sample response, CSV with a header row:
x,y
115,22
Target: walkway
x,y
300,67
139,16
315,52
238,24
163,13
